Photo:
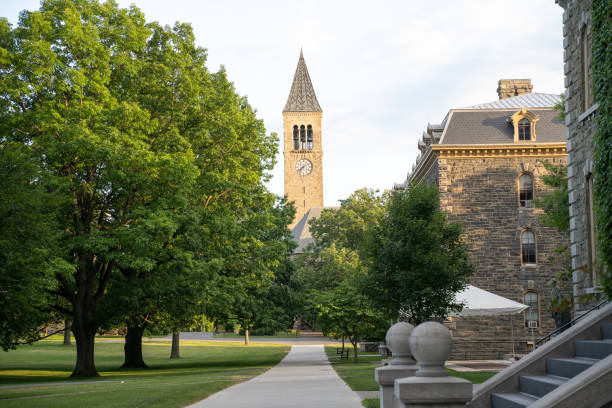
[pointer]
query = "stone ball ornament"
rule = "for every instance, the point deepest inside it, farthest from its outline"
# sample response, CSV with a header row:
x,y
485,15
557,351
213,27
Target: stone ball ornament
x,y
430,344
398,341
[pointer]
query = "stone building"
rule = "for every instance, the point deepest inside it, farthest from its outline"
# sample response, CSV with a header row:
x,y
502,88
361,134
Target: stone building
x,y
580,109
303,152
486,160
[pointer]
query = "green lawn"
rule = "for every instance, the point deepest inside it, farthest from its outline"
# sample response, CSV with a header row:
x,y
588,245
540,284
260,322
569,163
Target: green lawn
x,y
360,376
204,368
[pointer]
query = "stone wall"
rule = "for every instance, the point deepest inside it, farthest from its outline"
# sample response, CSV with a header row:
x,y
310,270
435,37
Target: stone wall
x,y
581,128
481,193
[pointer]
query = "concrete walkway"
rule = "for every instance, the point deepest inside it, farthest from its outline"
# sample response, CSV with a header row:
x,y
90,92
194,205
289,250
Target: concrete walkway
x,y
303,379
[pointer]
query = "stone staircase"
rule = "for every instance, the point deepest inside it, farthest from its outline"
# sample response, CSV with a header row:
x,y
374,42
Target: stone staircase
x,y
574,369
558,371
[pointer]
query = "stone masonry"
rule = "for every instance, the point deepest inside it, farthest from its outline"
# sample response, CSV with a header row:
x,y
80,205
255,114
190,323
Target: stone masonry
x,y
580,110
481,194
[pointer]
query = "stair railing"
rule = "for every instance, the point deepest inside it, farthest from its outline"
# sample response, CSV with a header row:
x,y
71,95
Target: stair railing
x,y
570,324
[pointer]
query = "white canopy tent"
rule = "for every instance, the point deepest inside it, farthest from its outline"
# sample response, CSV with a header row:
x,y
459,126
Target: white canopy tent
x,y
479,302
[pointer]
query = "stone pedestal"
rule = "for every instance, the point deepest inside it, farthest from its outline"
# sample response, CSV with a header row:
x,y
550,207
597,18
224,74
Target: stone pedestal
x,y
431,387
401,365
386,376
432,392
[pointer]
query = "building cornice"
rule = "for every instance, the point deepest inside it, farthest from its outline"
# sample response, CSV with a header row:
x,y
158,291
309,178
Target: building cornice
x,y
423,166
500,150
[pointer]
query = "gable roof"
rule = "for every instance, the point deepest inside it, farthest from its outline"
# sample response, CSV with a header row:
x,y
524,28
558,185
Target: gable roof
x,y
302,96
301,231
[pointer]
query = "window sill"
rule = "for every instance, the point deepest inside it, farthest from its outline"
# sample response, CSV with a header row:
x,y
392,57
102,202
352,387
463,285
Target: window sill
x,y
588,112
531,265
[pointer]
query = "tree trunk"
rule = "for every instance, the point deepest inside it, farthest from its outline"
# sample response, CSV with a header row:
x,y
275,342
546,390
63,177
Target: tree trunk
x,y
342,343
84,335
174,353
133,348
246,336
355,343
67,333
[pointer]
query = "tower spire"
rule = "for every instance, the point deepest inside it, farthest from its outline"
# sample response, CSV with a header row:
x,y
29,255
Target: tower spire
x,y
302,96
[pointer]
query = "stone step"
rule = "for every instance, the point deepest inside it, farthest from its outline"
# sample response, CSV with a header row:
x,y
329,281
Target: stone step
x,y
568,367
539,385
516,400
593,348
606,331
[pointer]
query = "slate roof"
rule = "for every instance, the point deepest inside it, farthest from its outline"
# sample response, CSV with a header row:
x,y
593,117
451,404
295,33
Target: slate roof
x,y
301,231
495,127
302,96
530,100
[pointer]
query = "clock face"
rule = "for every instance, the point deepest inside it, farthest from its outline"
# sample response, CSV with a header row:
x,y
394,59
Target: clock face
x,y
303,167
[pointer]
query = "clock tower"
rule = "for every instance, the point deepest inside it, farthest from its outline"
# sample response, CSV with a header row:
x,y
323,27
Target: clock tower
x,y
302,144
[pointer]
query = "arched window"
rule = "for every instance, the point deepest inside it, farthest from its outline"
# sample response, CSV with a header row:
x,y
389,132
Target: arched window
x,y
524,129
296,138
532,314
525,189
310,140
528,247
303,137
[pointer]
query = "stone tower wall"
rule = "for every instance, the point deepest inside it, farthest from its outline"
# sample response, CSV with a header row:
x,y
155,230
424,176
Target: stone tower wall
x,y
304,191
581,128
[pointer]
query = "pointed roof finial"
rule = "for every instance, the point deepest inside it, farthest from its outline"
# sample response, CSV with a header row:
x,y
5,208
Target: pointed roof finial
x,y
302,96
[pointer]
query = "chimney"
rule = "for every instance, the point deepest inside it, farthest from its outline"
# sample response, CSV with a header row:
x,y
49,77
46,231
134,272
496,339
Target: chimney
x,y
513,87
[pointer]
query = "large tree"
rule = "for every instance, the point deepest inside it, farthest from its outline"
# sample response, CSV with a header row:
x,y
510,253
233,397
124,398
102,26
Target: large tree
x,y
133,140
418,260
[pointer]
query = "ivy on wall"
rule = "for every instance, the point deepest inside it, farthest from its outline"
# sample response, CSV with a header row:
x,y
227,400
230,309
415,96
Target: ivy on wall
x,y
602,86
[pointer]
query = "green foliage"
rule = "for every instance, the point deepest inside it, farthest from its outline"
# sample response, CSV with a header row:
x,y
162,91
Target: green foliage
x,y
27,248
601,67
559,107
418,260
555,206
554,203
331,272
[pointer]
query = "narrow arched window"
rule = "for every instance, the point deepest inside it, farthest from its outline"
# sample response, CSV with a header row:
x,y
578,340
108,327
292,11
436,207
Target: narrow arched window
x,y
309,135
303,137
296,138
525,189
532,313
528,247
524,129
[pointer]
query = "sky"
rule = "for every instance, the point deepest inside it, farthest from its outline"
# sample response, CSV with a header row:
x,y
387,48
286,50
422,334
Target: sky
x,y
381,70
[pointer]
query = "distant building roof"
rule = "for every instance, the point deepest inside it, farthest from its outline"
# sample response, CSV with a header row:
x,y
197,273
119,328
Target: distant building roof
x,y
301,231
530,100
302,96
495,127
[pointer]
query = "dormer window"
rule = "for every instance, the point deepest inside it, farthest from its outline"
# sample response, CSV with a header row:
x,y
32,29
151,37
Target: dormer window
x,y
296,138
524,129
309,137
524,123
